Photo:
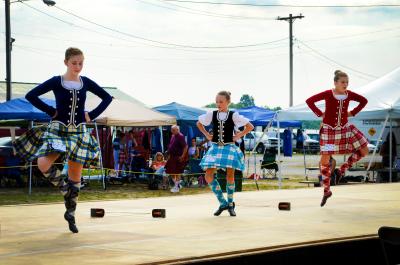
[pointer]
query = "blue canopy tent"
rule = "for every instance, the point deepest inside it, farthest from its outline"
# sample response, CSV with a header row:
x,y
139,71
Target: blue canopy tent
x,y
261,117
186,117
22,109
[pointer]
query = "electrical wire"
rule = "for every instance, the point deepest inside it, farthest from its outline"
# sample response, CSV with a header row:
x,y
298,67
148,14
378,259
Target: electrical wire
x,y
283,5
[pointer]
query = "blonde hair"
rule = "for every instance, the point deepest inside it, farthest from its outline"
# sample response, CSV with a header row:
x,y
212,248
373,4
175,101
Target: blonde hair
x,y
159,154
71,51
339,74
225,94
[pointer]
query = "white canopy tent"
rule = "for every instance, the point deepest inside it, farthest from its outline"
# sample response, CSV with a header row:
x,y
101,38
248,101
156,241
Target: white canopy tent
x,y
127,113
383,96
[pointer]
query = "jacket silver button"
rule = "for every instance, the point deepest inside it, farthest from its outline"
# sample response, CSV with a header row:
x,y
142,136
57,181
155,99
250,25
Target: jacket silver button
x,y
70,99
70,106
69,113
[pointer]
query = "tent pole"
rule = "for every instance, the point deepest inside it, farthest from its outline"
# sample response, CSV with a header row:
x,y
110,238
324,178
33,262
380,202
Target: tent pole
x,y
30,171
390,149
279,153
162,138
377,142
100,156
304,156
255,153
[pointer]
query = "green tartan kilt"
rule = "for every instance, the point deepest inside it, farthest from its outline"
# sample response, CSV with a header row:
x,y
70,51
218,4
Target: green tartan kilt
x,y
75,144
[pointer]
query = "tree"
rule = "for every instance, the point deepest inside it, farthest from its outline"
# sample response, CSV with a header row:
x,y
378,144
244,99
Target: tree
x,y
246,101
211,105
273,108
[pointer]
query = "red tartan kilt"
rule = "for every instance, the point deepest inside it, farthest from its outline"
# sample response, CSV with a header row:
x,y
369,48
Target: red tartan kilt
x,y
343,140
174,166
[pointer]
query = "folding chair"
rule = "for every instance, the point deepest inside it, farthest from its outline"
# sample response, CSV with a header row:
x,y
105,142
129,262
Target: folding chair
x,y
268,164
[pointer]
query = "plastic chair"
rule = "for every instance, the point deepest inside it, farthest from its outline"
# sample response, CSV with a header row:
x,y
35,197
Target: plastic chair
x,y
390,242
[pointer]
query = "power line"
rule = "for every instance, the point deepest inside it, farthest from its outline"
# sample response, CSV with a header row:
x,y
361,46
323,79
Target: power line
x,y
354,35
203,12
168,45
282,5
68,22
163,42
331,60
330,63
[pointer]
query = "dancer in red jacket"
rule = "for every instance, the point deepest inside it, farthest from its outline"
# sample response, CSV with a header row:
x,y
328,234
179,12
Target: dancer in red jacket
x,y
337,136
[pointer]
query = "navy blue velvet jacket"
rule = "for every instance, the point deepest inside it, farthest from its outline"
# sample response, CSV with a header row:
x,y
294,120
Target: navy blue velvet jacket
x,y
70,103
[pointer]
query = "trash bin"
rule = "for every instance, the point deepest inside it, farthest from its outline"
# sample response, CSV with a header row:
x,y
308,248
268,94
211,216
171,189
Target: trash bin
x,y
221,176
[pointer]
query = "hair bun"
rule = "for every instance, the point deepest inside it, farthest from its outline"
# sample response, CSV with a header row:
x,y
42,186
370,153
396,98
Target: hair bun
x,y
337,72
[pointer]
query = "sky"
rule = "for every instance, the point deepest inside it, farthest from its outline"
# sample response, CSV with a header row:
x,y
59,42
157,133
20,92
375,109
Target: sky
x,y
160,52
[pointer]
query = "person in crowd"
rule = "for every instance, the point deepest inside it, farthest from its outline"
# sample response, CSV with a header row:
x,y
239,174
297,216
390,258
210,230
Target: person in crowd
x,y
193,150
177,151
115,144
158,165
123,155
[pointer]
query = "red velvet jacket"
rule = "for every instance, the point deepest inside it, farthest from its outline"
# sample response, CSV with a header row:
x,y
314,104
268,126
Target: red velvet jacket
x,y
336,110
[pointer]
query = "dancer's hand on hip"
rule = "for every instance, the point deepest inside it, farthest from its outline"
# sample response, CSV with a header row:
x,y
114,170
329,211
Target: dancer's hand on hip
x,y
87,118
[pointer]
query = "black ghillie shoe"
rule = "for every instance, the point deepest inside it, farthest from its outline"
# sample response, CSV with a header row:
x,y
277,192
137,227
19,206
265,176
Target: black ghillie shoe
x,y
71,222
220,210
231,210
325,198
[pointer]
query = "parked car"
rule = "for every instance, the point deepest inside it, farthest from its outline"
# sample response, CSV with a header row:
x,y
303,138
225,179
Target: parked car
x,y
311,142
8,161
6,148
267,141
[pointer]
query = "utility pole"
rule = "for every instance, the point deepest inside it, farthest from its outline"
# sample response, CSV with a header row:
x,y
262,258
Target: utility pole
x,y
9,42
8,50
290,18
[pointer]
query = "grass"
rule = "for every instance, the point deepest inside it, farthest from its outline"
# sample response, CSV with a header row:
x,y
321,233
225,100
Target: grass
x,y
126,191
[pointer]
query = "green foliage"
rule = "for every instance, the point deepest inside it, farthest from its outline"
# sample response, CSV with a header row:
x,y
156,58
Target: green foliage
x,y
245,101
273,108
311,124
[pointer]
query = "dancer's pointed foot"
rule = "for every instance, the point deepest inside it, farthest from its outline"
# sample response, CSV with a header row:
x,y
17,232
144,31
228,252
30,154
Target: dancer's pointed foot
x,y
71,222
231,210
325,198
220,210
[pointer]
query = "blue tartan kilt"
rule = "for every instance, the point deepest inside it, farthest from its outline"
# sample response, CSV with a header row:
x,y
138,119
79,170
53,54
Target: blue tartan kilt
x,y
225,156
75,144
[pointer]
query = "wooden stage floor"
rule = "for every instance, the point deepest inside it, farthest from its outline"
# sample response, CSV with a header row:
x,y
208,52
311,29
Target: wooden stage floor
x,y
37,234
